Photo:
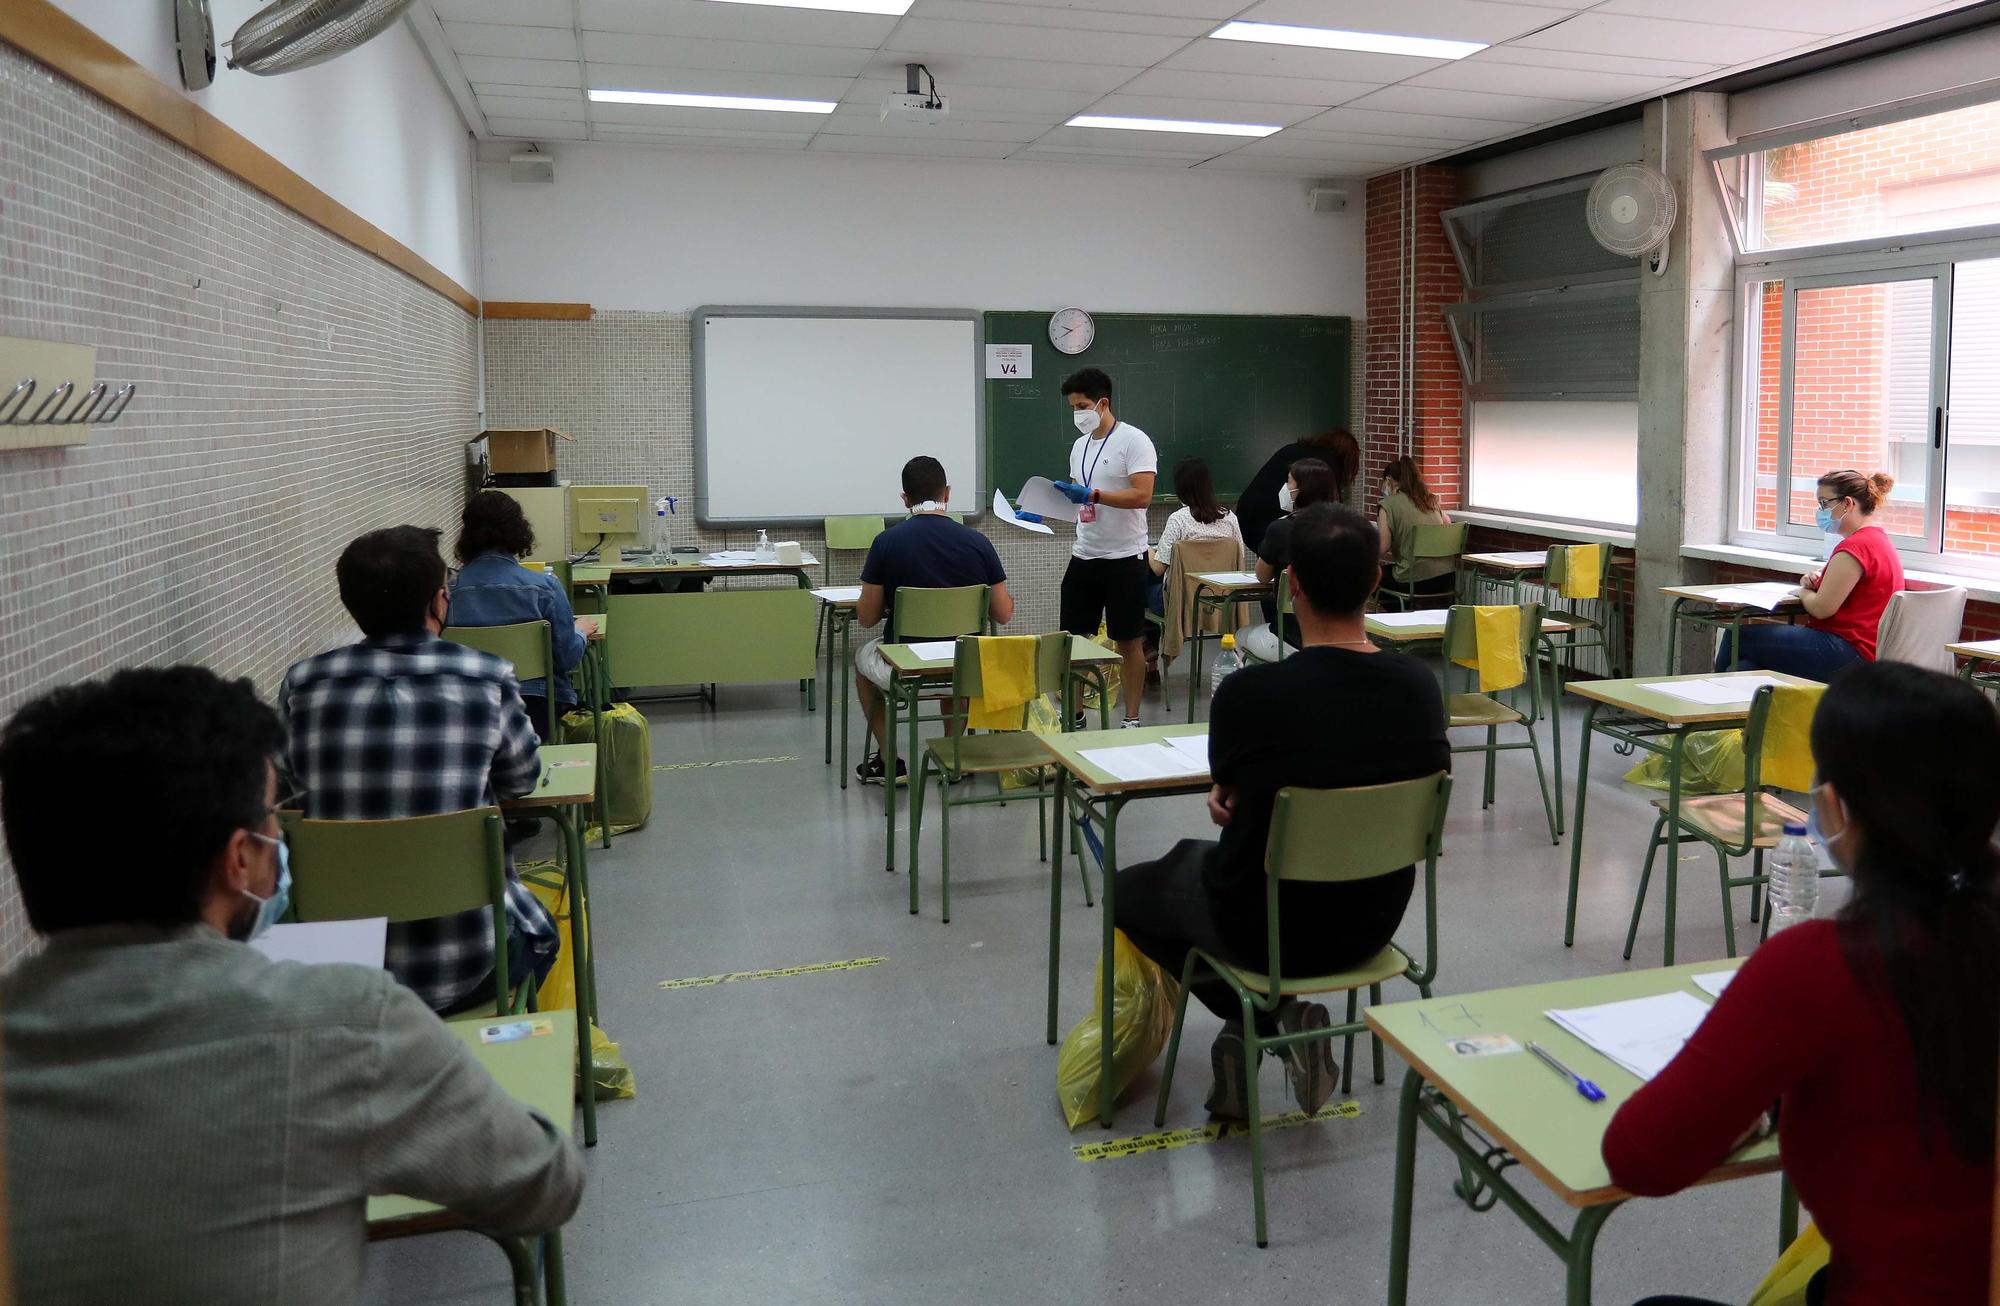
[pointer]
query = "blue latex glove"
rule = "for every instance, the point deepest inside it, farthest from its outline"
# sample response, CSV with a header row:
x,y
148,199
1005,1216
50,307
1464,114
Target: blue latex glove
x,y
1022,514
1074,492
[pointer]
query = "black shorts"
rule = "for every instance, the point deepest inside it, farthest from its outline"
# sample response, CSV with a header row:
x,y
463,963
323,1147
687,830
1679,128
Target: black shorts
x,y
1111,589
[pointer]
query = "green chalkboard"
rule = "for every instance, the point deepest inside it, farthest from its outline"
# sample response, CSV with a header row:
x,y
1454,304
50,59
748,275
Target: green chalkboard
x,y
1229,388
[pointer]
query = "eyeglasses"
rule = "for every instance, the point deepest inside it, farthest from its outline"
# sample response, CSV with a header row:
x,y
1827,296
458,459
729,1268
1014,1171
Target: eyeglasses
x,y
1828,503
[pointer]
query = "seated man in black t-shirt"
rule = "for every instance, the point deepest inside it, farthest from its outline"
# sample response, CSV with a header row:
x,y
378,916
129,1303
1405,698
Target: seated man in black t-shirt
x,y
1336,714
927,551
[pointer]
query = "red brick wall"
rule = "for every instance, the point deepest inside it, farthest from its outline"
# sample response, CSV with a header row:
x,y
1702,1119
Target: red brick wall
x,y
1438,416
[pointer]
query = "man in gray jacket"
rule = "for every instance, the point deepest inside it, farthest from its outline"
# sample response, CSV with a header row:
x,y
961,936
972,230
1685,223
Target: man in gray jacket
x,y
188,1122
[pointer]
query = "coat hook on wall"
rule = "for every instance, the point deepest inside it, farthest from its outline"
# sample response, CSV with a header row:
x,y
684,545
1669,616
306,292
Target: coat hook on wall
x,y
97,406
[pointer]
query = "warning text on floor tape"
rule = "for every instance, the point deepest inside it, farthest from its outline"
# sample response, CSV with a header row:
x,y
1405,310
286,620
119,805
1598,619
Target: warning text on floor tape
x,y
733,761
787,972
1214,1131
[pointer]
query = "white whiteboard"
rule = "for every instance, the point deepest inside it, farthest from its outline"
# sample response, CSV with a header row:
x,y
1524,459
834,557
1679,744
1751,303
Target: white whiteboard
x,y
802,414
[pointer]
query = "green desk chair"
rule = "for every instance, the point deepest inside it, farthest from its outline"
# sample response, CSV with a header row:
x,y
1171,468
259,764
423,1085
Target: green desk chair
x,y
1484,708
959,754
413,868
843,535
1326,836
1181,621
1563,584
1739,825
1283,603
1427,543
526,644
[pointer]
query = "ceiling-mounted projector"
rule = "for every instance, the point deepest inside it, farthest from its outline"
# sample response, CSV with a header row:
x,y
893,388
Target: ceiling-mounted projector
x,y
925,109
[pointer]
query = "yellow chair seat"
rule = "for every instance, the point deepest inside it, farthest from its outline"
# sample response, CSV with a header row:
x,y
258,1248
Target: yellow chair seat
x,y
1008,750
1720,816
1478,710
1384,965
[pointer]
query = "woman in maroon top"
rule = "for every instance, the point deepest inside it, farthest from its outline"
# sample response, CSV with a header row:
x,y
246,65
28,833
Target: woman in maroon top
x,y
1844,602
1878,1032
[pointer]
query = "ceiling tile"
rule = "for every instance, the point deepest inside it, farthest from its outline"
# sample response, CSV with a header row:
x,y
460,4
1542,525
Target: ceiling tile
x,y
511,42
953,129
748,56
1244,88
955,70
1255,59
1390,144
1130,142
925,36
527,92
1665,69
620,131
509,106
1099,160
652,117
711,81
1214,11
1658,38
736,22
1287,146
1291,167
1520,79
1497,110
1147,106
1823,17
1457,20
521,72
1387,122
698,140
983,101
536,129
825,144
531,13
1030,15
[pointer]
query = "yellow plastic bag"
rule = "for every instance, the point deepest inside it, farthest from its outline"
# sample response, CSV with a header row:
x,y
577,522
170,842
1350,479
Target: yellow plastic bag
x,y
1143,998
1087,692
1711,763
1788,1280
610,1077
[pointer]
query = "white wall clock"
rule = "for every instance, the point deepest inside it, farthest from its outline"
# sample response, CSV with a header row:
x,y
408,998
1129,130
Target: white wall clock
x,y
1071,330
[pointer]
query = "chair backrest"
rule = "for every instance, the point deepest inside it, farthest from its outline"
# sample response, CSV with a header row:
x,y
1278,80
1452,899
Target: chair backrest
x,y
937,614
1777,748
1051,664
1191,558
526,644
560,568
1330,836
1555,571
410,869
1461,643
1917,624
852,532
1446,541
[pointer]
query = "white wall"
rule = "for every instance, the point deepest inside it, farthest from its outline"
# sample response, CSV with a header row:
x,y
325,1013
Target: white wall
x,y
374,128
626,228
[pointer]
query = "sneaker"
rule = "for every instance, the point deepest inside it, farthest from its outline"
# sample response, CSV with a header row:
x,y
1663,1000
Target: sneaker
x,y
1229,1099
870,770
1081,722
1313,1072
1129,723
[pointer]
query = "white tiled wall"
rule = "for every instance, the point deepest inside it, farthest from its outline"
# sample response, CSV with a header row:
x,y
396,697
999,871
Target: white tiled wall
x,y
293,392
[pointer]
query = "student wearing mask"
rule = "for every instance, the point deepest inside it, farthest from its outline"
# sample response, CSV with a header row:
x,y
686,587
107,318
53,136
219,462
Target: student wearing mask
x,y
1337,713
492,588
1408,503
1257,507
1876,1033
186,1120
1111,470
928,550
1844,602
1200,517
1307,482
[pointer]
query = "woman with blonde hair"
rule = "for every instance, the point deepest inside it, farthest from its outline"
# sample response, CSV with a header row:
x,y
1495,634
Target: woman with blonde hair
x,y
1844,602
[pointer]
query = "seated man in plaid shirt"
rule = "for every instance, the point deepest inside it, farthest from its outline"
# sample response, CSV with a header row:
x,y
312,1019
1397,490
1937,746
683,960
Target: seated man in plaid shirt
x,y
405,724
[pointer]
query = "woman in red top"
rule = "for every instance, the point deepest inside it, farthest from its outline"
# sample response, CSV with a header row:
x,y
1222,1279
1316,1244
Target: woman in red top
x,y
1843,603
1878,1032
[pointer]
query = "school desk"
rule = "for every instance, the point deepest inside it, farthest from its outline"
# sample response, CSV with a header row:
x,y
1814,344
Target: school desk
x,y
1697,606
1217,591
837,612
1977,654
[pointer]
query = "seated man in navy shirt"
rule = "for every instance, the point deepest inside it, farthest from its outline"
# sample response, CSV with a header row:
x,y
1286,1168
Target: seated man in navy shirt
x,y
928,551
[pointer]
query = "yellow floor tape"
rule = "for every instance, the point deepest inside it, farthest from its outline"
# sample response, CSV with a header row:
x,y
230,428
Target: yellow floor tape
x,y
737,761
1213,1131
817,968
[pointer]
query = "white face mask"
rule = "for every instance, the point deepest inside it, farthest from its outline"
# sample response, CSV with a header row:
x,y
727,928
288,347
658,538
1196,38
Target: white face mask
x,y
1087,420
1285,497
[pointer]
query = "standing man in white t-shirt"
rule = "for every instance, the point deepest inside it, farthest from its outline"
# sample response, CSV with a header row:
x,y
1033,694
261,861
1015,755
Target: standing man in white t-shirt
x,y
1111,471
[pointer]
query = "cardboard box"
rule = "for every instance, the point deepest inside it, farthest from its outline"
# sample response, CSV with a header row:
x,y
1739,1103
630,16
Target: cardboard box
x,y
524,451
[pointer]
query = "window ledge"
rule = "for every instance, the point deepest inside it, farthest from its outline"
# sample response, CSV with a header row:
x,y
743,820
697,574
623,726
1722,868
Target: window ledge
x,y
1536,526
1984,588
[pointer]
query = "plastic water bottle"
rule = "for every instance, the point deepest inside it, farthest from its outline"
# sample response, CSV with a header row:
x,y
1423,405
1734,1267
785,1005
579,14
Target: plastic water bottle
x,y
766,551
1794,870
1225,662
663,507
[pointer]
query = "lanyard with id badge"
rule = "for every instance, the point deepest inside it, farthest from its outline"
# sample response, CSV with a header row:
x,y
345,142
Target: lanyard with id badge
x,y
1087,511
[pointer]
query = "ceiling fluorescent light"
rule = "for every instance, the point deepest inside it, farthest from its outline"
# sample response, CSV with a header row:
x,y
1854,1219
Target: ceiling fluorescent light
x,y
1328,38
1171,125
677,101
896,8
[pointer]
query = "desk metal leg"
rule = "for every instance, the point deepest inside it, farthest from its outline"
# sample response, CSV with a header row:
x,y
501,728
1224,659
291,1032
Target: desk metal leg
x,y
1675,748
555,1278
1406,1182
1555,726
1055,895
521,1263
1788,1214
1582,1246
826,649
1106,962
846,689
1674,637
916,775
1576,834
579,943
891,704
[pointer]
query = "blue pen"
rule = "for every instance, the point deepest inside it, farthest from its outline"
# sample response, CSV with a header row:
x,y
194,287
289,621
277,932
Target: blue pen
x,y
1585,1089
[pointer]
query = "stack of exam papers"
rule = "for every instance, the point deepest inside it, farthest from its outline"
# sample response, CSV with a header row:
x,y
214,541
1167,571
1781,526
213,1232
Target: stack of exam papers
x,y
839,594
1230,577
1166,759
1717,692
1767,594
1419,619
936,650
1641,1035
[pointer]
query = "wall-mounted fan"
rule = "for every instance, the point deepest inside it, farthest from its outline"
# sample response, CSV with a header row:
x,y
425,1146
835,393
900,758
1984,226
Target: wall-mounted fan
x,y
1631,211
290,34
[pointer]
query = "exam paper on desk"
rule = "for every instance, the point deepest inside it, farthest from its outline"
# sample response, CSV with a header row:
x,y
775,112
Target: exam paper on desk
x,y
1419,619
356,942
1642,1034
839,594
1156,761
1229,577
1718,692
